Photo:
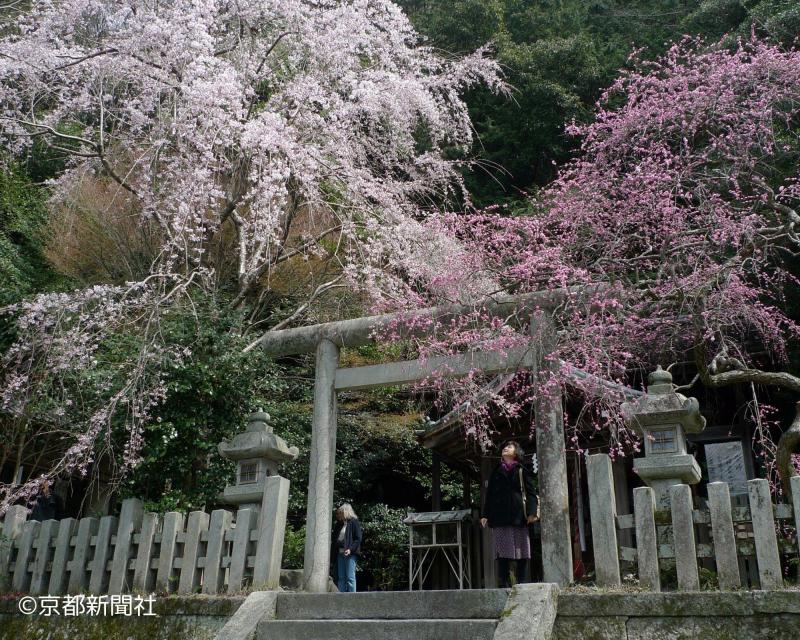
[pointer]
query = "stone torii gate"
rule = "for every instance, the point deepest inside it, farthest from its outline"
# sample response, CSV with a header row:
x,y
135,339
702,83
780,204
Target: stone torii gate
x,y
325,340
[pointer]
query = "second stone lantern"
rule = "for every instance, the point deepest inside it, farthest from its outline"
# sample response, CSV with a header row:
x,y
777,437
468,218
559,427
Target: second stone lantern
x,y
663,418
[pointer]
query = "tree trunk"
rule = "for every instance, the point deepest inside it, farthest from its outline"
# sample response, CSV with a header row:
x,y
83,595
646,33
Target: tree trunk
x,y
788,444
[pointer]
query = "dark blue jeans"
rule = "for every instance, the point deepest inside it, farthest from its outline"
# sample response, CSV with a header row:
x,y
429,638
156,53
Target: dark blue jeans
x,y
346,572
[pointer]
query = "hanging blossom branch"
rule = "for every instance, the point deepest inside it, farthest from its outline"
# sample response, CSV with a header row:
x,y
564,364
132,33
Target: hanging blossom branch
x,y
684,201
283,124
57,383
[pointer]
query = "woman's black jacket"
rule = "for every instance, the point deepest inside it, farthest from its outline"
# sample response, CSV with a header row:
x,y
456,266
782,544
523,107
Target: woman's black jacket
x,y
503,505
352,537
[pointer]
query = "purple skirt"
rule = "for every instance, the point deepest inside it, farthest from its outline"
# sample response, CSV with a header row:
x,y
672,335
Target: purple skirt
x,y
512,542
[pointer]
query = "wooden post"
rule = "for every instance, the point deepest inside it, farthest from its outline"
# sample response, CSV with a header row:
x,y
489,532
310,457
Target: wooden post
x,y
13,525
460,558
40,578
796,507
551,452
58,573
98,579
719,506
269,550
320,481
214,574
190,573
603,512
165,575
683,537
411,557
130,519
487,541
246,520
22,579
79,567
144,577
646,542
769,562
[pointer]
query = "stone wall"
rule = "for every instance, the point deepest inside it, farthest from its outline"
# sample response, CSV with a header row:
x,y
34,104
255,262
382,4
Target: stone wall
x,y
179,618
746,615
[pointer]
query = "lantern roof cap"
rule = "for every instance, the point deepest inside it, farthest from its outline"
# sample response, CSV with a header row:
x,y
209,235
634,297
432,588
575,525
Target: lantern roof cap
x,y
257,441
662,406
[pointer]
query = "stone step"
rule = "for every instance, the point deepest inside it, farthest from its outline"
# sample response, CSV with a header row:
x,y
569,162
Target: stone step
x,y
453,629
392,605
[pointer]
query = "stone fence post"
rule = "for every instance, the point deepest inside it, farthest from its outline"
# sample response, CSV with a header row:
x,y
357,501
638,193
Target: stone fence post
x,y
603,512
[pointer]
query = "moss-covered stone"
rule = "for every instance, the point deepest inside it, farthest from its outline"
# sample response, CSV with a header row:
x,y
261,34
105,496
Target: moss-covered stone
x,y
740,615
108,628
177,618
610,628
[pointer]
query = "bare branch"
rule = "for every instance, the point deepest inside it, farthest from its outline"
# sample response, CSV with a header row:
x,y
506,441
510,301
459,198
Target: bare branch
x,y
320,290
780,379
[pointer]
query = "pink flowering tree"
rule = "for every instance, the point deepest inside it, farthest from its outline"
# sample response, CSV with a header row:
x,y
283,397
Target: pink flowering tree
x,y
246,134
677,223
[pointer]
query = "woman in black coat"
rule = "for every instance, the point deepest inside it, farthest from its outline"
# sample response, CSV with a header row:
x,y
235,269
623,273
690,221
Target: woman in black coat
x,y
511,505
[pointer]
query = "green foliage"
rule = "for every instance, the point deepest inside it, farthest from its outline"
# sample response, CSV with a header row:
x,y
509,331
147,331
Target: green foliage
x,y
559,55
709,580
294,547
23,268
778,20
209,397
385,549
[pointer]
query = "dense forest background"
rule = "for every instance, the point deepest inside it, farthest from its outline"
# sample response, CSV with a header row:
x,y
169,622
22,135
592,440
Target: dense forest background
x,y
558,56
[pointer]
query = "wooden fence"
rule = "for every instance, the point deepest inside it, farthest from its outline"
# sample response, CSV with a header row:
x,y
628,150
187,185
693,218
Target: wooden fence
x,y
671,536
139,551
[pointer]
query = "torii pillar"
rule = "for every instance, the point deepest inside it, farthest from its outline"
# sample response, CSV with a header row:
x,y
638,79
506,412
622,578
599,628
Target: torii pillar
x,y
551,453
321,473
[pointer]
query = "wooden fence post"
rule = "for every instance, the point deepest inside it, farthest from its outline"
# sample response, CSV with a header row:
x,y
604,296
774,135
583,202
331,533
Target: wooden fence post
x,y
22,579
98,579
78,568
646,541
603,511
58,574
40,579
769,562
130,519
13,524
190,573
683,537
144,576
269,548
165,575
246,520
214,573
719,505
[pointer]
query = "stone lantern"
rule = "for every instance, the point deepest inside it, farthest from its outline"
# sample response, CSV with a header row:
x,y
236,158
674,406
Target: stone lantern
x,y
663,418
257,452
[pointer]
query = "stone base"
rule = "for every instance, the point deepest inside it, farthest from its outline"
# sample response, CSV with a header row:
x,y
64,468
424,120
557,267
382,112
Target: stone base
x,y
292,580
747,615
662,472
